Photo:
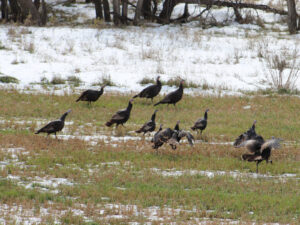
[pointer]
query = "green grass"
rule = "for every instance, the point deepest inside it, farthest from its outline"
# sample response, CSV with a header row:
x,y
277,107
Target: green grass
x,y
276,115
8,79
96,184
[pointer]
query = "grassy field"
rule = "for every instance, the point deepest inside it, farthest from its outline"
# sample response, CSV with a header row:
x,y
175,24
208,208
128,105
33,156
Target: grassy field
x,y
117,181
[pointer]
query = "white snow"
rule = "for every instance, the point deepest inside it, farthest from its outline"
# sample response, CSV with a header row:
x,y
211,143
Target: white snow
x,y
224,58
212,174
47,183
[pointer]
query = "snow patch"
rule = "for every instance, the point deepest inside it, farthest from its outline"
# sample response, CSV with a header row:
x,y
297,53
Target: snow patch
x,y
212,174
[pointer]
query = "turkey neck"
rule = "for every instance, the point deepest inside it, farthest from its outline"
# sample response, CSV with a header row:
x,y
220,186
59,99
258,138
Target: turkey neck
x,y
63,117
158,83
181,87
205,115
101,90
129,107
153,116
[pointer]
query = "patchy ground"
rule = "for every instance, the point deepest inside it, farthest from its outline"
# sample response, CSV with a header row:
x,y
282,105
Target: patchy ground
x,y
92,174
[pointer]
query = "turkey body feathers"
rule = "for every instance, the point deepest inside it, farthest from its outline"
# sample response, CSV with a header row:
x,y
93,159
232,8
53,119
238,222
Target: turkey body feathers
x,y
121,116
150,91
54,126
173,97
90,95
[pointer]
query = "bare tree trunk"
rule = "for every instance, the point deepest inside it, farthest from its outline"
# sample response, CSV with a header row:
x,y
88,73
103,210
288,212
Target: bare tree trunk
x,y
292,16
28,8
116,8
185,15
146,11
106,11
124,11
165,15
4,9
37,4
138,12
44,13
98,8
238,16
16,10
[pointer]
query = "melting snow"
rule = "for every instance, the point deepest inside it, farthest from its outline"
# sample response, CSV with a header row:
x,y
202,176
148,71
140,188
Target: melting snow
x,y
211,174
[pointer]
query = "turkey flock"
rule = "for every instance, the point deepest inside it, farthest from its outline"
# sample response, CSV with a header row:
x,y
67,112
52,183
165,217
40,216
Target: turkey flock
x,y
258,149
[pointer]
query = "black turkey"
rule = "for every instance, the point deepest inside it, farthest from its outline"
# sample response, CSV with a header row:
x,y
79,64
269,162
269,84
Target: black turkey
x,y
91,95
201,124
173,97
54,126
150,91
148,126
121,116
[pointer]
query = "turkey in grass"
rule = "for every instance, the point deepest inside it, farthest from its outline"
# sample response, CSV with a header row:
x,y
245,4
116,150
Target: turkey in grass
x,y
170,136
156,140
173,97
161,137
150,91
91,95
121,116
148,126
201,124
259,149
178,134
54,126
248,135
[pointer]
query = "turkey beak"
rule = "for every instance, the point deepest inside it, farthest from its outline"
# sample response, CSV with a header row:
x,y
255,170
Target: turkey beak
x,y
69,111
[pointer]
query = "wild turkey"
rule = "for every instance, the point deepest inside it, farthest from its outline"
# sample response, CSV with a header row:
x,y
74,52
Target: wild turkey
x,y
150,91
148,126
163,136
121,116
156,140
260,150
170,136
91,95
177,136
201,124
173,97
54,126
248,135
